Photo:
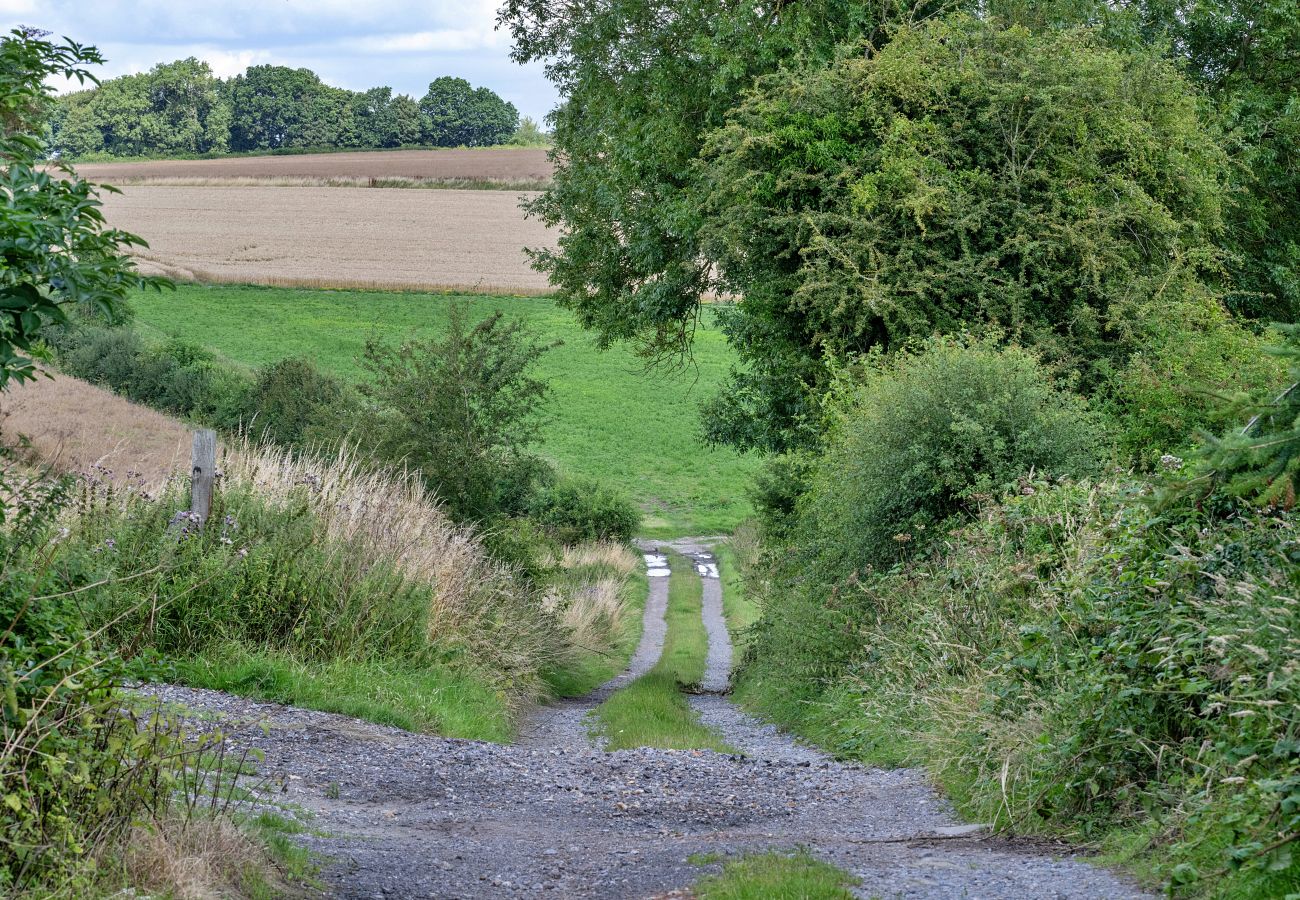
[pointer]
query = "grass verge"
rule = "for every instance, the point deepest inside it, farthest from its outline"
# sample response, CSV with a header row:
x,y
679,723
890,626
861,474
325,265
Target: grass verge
x,y
652,711
777,876
445,701
740,609
612,421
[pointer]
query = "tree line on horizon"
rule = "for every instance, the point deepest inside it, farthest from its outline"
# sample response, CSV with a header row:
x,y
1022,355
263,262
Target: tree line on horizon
x,y
182,109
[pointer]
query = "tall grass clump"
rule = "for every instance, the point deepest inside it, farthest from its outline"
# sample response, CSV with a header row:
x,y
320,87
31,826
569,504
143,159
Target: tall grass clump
x,y
317,561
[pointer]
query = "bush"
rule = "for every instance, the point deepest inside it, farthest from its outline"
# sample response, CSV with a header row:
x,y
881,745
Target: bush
x,y
293,403
577,510
464,410
925,436
76,765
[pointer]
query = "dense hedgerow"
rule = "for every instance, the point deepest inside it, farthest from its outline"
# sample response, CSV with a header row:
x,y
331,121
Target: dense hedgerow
x,y
920,437
1073,662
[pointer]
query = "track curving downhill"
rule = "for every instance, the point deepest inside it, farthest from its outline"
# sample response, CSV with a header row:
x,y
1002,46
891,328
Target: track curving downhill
x,y
417,816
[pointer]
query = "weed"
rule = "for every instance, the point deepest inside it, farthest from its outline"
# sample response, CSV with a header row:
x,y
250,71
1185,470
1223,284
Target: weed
x,y
777,876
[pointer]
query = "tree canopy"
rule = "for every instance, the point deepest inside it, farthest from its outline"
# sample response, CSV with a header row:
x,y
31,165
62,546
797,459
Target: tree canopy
x,y
181,108
789,154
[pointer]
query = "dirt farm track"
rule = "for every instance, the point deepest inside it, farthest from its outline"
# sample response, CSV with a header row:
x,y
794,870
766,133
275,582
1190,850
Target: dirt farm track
x,y
334,237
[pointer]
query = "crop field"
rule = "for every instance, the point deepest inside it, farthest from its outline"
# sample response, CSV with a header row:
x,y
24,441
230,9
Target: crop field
x,y
380,239
73,426
609,418
506,166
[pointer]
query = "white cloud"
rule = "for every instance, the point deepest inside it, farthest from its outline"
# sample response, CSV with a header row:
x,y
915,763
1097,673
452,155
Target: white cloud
x,y
17,7
447,39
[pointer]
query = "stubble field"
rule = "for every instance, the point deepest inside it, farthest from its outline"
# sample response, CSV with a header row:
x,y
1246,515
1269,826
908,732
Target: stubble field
x,y
340,238
504,165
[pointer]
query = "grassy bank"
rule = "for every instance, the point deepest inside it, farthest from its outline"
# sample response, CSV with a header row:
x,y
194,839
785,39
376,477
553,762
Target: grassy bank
x,y
612,420
652,711
334,587
1076,663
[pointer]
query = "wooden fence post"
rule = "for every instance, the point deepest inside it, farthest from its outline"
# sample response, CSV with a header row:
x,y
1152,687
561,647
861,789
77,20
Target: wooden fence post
x,y
203,471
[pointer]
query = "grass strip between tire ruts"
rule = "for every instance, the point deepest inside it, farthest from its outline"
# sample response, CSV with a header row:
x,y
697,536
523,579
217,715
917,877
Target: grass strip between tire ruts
x,y
653,711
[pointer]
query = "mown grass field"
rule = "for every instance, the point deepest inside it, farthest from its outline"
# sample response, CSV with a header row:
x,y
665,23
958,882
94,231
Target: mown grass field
x,y
610,419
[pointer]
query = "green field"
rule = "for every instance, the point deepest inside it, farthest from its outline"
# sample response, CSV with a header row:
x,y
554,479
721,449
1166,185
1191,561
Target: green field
x,y
610,419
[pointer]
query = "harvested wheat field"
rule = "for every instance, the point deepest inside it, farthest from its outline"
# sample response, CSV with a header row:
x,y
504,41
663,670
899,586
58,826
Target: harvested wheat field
x,y
335,238
74,426
491,167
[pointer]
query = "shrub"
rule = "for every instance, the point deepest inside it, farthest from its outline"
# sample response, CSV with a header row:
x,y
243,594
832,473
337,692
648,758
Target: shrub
x,y
463,409
76,765
577,510
924,436
292,402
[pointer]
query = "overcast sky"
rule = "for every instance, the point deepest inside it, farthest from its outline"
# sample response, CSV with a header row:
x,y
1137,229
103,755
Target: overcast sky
x,y
354,44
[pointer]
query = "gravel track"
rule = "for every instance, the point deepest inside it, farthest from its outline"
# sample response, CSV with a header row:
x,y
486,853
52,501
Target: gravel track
x,y
406,815
563,724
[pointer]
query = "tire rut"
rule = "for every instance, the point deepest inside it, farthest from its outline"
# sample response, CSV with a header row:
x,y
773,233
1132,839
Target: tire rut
x,y
407,815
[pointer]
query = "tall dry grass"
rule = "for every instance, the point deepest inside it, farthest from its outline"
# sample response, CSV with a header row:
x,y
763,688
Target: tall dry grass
x,y
394,519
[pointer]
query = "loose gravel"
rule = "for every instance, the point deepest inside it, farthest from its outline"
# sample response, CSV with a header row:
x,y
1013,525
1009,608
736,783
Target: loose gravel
x,y
563,724
407,815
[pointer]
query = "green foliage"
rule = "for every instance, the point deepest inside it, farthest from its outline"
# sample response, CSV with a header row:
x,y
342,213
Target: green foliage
x,y
644,82
967,174
77,765
924,437
1243,54
777,876
463,409
455,114
529,134
293,403
577,510
176,108
181,109
1070,663
1261,461
289,402
276,106
55,248
611,420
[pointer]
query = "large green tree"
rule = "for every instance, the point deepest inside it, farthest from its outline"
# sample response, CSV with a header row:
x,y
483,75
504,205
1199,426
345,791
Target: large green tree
x,y
457,114
55,249
644,82
174,108
650,217
967,175
275,106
